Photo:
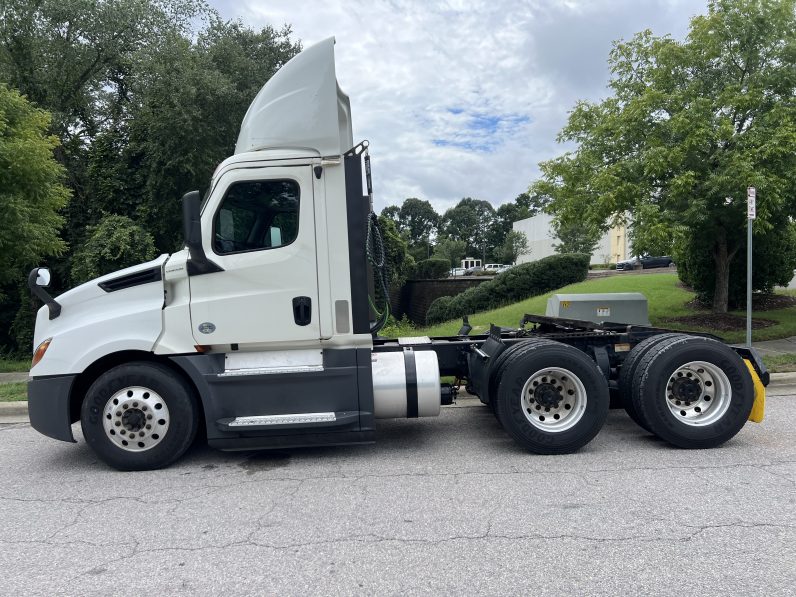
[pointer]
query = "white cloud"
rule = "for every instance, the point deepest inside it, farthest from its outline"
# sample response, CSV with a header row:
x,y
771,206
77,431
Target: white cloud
x,y
465,98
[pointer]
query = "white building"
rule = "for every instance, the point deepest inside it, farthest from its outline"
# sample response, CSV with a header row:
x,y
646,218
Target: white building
x,y
612,247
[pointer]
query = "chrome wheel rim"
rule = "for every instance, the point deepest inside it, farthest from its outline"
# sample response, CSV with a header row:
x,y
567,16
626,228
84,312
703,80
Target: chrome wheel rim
x,y
553,399
698,393
136,419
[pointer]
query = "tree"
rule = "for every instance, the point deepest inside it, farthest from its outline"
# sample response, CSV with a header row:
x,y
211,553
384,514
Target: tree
x,y
575,237
399,262
514,245
393,213
115,243
470,221
419,221
32,196
531,203
451,249
502,224
31,189
690,125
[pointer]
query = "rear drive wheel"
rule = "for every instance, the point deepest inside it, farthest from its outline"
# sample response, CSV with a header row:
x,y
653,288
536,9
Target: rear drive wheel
x,y
496,369
693,392
139,416
551,398
628,371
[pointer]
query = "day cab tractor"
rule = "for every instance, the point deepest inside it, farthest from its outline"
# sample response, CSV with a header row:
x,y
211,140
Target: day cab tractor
x,y
263,330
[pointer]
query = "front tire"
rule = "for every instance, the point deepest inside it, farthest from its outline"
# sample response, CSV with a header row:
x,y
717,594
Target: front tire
x,y
139,416
551,398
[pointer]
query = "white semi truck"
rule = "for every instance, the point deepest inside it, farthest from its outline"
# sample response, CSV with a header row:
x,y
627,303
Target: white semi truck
x,y
262,331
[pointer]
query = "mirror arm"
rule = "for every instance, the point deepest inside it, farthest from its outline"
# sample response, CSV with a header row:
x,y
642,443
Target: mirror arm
x,y
53,306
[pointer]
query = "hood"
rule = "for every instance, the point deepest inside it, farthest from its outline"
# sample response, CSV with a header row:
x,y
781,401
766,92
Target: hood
x,y
103,297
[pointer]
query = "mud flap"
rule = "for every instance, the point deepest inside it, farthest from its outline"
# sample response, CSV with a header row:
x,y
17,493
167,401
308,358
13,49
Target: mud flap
x,y
759,406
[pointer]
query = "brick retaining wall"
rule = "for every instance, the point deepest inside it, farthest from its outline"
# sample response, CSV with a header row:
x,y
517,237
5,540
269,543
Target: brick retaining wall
x,y
416,296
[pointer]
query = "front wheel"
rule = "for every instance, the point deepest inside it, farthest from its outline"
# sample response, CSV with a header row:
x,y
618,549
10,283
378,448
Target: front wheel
x,y
551,398
139,416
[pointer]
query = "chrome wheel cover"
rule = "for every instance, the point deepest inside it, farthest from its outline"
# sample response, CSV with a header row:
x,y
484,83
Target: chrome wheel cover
x,y
553,399
698,393
136,419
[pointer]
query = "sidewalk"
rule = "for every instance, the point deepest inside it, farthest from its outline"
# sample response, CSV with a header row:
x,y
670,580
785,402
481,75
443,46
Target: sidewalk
x,y
776,347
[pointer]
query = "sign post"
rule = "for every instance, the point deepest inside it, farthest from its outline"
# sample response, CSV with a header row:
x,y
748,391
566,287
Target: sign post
x,y
751,214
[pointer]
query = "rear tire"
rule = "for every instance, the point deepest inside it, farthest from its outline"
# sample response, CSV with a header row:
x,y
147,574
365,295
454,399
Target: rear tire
x,y
693,392
551,398
497,367
627,374
139,416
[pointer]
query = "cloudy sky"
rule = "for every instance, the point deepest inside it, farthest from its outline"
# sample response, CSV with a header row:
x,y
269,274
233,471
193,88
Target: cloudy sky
x,y
465,98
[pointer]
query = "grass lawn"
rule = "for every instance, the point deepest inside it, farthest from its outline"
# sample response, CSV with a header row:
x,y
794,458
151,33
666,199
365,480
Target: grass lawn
x,y
12,392
782,363
14,366
665,299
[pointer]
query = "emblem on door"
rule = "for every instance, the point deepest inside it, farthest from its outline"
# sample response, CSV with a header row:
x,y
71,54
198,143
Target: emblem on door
x,y
207,328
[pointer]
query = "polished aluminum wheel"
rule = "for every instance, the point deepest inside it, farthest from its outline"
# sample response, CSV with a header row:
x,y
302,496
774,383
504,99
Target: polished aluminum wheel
x,y
698,393
553,399
136,419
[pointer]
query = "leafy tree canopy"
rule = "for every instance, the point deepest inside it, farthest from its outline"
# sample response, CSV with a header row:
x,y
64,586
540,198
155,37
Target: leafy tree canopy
x,y
31,189
470,221
115,243
514,245
452,250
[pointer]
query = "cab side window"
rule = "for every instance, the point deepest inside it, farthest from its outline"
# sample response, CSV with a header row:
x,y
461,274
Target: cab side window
x,y
257,215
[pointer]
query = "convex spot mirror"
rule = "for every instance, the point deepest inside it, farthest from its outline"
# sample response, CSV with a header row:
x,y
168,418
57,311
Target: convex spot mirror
x,y
43,277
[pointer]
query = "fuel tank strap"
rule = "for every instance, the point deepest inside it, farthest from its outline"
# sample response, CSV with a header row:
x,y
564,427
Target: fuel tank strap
x,y
411,383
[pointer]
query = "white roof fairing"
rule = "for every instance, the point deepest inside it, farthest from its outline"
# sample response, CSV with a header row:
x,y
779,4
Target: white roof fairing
x,y
300,107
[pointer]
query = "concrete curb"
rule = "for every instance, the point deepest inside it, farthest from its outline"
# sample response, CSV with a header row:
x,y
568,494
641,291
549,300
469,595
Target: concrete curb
x,y
13,409
779,381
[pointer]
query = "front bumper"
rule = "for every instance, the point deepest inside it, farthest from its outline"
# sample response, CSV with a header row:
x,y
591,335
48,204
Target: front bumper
x,y
48,406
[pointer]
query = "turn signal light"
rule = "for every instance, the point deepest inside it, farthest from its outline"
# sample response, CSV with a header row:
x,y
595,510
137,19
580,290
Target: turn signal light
x,y
38,354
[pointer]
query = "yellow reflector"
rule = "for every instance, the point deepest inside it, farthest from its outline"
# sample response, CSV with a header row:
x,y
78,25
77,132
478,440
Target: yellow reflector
x,y
759,406
38,354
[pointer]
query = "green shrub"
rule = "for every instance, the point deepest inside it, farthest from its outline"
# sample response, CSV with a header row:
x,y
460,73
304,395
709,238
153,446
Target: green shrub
x,y
518,283
438,310
431,269
397,328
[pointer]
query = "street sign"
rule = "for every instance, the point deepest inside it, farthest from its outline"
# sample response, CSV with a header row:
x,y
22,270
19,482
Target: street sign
x,y
751,203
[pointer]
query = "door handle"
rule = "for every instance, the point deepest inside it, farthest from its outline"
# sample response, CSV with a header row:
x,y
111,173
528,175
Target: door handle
x,y
302,310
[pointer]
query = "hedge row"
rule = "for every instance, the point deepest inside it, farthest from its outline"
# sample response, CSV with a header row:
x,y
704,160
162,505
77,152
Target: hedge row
x,y
518,283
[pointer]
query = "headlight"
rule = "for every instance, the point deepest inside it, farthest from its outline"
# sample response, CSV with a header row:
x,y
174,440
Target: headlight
x,y
38,354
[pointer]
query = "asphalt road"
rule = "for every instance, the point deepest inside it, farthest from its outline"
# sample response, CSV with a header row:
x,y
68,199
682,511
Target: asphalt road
x,y
443,506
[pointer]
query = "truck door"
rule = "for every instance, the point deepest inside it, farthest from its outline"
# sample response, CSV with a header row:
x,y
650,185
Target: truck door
x,y
259,226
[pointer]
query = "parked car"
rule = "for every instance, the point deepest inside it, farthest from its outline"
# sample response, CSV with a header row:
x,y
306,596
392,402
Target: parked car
x,y
503,268
457,271
471,271
492,267
645,261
